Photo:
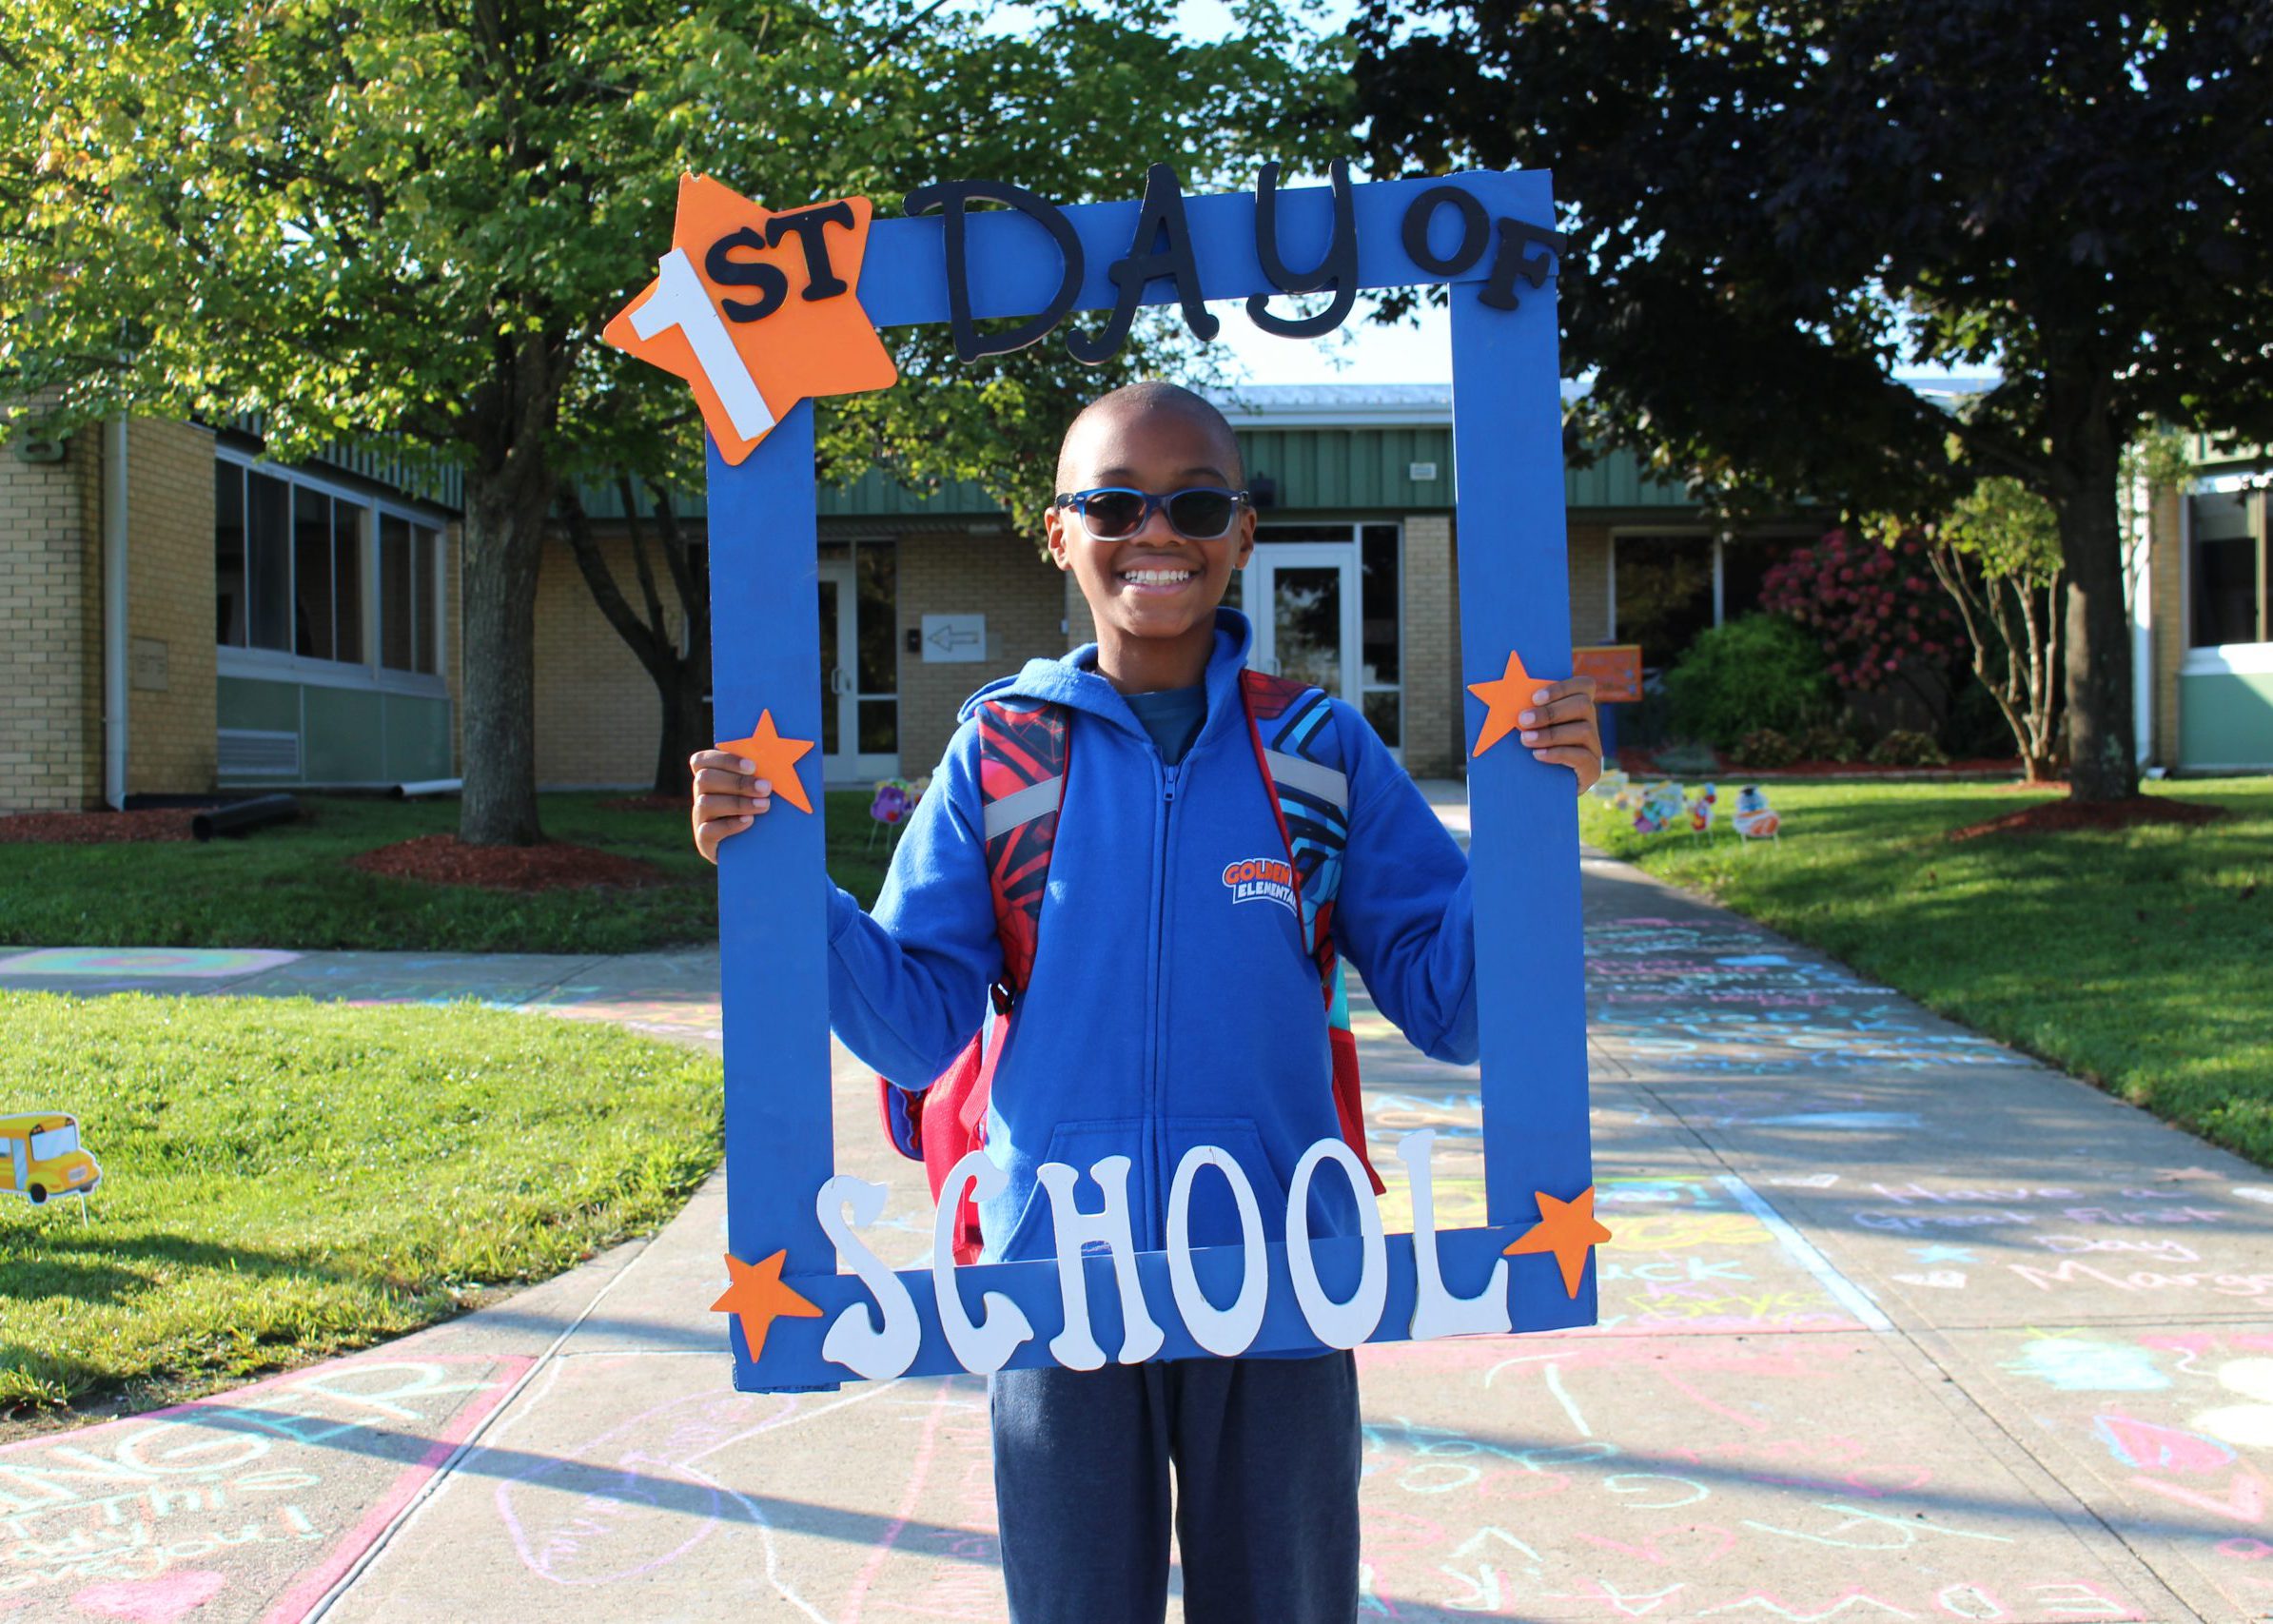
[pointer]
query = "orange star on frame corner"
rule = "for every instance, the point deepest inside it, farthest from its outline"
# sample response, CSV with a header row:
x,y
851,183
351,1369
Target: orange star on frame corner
x,y
1566,1228
759,1296
774,759
758,309
1504,699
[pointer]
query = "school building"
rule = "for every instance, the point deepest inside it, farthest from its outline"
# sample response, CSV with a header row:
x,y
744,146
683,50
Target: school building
x,y
328,590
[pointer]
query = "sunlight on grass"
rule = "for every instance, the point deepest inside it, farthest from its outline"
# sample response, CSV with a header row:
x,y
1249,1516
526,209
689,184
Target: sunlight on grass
x,y
284,1180
2140,959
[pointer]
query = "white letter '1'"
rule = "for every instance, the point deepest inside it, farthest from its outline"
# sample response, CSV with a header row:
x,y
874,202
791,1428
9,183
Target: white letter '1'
x,y
1337,1325
1073,1347
680,301
855,1338
980,1348
1436,1311
1225,1331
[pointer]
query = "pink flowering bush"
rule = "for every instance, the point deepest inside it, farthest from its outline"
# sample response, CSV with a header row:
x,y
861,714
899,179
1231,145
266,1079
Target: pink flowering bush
x,y
1877,611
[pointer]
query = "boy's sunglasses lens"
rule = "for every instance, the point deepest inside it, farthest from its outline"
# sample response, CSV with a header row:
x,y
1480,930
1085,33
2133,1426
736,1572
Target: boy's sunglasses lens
x,y
1111,515
1200,515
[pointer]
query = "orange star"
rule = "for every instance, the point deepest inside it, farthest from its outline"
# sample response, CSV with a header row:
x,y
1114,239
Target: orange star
x,y
758,309
1567,1228
1504,697
776,759
759,1297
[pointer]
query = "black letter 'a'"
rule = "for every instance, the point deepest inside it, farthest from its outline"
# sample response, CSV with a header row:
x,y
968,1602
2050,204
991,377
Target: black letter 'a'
x,y
772,287
1162,246
954,196
1337,270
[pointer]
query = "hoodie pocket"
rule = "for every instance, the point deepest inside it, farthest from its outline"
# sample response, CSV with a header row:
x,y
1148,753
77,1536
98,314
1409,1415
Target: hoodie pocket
x,y
1214,1210
1078,1144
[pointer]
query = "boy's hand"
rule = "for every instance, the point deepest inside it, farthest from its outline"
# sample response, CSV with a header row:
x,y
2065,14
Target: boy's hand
x,y
726,797
1561,727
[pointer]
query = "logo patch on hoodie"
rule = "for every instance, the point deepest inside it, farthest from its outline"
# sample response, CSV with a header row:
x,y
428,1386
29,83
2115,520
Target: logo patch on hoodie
x,y
1261,879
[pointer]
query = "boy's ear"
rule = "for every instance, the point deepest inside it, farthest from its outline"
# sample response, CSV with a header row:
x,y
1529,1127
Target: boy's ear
x,y
1053,535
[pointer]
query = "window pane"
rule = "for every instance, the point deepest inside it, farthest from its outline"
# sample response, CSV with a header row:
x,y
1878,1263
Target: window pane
x,y
228,555
347,522
271,547
876,576
1307,626
311,573
831,654
1379,606
879,727
1744,561
2225,592
394,593
425,544
1384,709
1664,593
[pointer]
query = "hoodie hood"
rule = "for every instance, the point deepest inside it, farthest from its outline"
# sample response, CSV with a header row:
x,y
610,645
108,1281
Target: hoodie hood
x,y
1072,680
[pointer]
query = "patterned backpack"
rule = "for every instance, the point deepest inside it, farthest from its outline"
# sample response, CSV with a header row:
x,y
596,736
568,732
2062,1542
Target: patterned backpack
x,y
1022,761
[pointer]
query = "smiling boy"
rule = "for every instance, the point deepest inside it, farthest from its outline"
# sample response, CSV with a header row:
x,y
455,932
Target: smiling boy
x,y
1168,1008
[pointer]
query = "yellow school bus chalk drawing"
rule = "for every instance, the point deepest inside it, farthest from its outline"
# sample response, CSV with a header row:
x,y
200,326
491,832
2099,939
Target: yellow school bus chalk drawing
x,y
40,1158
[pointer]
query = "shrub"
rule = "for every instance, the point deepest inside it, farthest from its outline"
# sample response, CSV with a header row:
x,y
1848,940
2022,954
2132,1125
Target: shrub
x,y
1761,672
1827,741
1875,610
1905,747
1765,746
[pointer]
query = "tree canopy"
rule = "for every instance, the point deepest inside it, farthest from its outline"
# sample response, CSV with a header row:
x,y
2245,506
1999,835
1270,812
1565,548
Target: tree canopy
x,y
1773,206
411,219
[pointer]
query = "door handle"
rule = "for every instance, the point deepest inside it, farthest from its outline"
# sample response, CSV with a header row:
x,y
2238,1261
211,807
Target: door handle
x,y
840,680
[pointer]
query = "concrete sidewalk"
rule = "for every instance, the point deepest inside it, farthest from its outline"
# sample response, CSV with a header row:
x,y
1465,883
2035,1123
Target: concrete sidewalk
x,y
1896,1324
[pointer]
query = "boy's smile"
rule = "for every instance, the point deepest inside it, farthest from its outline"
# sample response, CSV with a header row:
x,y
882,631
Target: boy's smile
x,y
1153,594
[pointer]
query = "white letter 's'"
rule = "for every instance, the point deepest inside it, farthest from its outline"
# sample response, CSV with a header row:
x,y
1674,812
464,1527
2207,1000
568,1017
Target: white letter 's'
x,y
878,1346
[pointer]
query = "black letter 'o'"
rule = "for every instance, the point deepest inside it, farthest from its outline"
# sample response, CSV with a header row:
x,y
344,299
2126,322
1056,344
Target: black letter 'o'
x,y
1476,231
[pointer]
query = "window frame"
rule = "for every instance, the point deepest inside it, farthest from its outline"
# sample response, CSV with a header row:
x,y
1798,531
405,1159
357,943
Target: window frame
x,y
279,665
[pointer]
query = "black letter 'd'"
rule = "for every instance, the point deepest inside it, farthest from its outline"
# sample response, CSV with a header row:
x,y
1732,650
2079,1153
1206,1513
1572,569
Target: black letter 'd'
x,y
772,286
1162,246
1337,271
955,196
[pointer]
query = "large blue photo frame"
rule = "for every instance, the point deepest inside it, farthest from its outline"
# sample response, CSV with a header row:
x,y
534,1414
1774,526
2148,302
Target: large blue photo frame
x,y
1507,428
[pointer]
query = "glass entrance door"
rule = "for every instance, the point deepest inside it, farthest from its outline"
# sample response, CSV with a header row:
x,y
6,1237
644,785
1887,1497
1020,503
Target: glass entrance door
x,y
859,672
1303,599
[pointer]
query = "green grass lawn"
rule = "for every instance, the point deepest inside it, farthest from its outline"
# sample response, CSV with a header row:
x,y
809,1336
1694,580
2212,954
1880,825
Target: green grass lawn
x,y
290,886
284,1180
2142,960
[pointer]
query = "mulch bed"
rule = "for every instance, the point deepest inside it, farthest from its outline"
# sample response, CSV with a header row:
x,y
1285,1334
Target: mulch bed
x,y
445,860
96,828
2053,817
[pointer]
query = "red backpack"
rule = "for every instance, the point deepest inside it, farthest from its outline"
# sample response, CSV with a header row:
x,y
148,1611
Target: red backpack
x,y
1022,760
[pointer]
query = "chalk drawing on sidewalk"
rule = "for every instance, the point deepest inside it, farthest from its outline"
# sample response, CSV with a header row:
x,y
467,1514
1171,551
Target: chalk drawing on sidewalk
x,y
154,963
136,1514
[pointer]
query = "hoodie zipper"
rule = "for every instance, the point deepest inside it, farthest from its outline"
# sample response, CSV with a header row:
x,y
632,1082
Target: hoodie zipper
x,y
1155,1127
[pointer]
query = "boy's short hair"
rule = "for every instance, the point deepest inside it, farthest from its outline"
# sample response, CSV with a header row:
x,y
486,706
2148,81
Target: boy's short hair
x,y
1155,395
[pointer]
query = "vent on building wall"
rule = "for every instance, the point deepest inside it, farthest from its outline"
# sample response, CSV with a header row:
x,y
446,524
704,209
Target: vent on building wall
x,y
247,754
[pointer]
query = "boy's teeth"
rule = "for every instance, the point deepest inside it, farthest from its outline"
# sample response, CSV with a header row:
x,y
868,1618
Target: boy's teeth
x,y
1155,578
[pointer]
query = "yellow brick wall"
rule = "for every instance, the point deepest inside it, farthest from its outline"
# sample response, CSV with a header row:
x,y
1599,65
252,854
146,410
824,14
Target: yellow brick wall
x,y
1002,577
1590,585
598,713
2167,595
170,739
50,604
1433,741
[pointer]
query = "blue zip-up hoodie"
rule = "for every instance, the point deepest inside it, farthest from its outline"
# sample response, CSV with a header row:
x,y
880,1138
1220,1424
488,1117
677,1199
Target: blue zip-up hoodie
x,y
1164,1011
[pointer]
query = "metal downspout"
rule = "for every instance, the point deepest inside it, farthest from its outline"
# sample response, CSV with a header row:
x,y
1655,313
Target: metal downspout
x,y
114,613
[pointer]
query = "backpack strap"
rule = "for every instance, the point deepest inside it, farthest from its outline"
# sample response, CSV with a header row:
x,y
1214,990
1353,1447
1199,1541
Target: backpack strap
x,y
1298,750
1022,783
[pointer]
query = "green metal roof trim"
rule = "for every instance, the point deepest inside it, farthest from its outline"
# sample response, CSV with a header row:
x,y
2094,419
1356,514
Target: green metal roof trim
x,y
1316,470
434,483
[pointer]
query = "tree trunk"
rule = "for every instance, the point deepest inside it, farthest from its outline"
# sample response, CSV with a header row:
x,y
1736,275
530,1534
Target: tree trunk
x,y
686,727
2103,757
504,539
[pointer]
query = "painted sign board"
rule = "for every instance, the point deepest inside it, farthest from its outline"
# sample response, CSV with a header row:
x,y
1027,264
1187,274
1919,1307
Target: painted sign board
x,y
1614,667
762,311
955,640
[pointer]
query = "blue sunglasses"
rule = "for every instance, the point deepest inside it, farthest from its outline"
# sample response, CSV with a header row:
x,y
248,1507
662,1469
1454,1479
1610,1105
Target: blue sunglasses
x,y
1114,512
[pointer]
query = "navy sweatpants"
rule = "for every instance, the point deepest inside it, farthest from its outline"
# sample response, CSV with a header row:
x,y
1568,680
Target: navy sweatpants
x,y
1266,1453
